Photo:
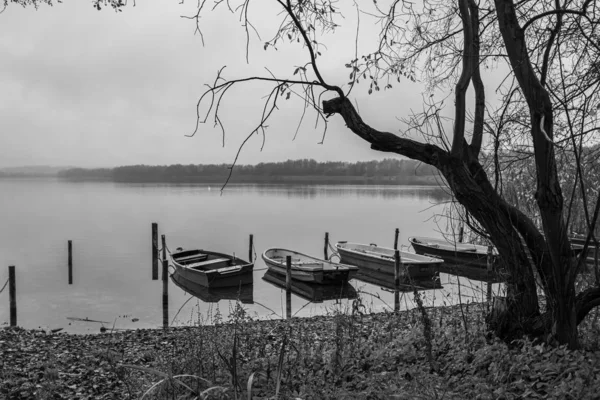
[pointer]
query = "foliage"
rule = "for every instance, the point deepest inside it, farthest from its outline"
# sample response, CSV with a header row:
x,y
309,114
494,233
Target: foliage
x,y
348,354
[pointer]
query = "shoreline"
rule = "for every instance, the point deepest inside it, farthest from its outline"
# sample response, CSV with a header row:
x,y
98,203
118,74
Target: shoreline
x,y
338,356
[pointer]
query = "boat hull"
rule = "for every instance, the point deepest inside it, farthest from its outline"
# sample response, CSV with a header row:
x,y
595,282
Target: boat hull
x,y
477,257
231,271
371,258
307,268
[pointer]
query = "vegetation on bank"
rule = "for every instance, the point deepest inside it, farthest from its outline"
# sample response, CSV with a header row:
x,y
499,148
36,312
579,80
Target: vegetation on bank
x,y
442,353
388,171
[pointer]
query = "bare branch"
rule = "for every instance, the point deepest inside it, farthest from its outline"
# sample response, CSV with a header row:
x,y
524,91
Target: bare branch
x,y
463,82
477,82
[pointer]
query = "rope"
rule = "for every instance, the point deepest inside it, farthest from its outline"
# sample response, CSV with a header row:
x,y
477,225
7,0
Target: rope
x,y
261,269
3,287
333,249
334,252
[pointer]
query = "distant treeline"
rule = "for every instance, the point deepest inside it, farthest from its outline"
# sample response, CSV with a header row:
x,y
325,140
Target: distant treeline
x,y
38,171
292,171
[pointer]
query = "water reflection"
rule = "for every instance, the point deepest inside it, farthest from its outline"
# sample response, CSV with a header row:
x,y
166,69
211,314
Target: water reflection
x,y
244,293
387,281
358,191
432,193
472,272
312,292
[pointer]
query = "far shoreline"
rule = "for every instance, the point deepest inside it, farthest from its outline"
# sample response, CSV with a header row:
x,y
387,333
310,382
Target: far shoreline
x,y
275,180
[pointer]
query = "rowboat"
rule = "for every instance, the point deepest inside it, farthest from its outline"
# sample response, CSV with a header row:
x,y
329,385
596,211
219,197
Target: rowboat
x,y
372,258
452,252
307,268
242,293
313,292
211,269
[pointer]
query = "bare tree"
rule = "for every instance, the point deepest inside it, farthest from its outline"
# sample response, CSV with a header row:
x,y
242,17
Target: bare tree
x,y
449,42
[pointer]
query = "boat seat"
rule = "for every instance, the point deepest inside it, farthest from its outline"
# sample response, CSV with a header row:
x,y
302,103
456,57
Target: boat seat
x,y
193,257
208,263
310,264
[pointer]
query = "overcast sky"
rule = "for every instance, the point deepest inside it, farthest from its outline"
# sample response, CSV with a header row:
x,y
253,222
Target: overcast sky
x,y
79,87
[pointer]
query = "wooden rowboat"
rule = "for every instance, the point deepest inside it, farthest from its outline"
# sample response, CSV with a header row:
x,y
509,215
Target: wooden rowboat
x,y
453,253
307,268
211,269
372,258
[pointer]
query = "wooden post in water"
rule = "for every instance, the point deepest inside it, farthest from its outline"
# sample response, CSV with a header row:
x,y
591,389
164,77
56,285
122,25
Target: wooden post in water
x,y
461,233
288,287
250,247
165,280
154,251
70,247
490,261
396,238
12,294
326,245
396,280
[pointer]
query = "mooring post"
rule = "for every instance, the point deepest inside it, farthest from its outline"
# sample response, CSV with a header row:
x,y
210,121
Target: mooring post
x,y
461,233
165,279
70,247
288,287
396,238
250,247
12,294
326,246
490,261
396,280
154,251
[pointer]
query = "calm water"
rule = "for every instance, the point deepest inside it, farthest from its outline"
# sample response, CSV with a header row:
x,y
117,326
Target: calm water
x,y
110,226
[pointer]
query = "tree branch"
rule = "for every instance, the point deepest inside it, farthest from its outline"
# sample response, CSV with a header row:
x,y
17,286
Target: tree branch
x,y
551,12
463,82
586,301
382,141
477,137
313,59
553,35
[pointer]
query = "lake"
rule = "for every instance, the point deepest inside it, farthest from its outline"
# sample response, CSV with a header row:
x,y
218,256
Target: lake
x,y
110,226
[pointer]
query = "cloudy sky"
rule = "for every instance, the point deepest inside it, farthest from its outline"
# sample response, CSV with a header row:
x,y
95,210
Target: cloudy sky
x,y
80,87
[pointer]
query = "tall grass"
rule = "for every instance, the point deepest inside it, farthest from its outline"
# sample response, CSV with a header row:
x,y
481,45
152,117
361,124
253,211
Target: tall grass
x,y
426,352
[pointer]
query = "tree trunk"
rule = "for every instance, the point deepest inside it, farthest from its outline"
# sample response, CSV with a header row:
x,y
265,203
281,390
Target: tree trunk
x,y
474,191
558,273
